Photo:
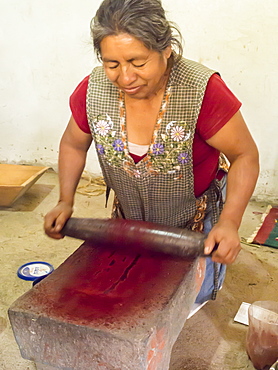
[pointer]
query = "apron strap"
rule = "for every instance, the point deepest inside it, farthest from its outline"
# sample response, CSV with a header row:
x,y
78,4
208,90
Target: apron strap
x,y
216,197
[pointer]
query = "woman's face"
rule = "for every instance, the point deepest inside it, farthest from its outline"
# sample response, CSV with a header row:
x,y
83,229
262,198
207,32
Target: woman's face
x,y
137,71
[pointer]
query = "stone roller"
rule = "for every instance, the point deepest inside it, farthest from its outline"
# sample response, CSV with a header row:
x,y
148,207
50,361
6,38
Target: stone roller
x,y
136,236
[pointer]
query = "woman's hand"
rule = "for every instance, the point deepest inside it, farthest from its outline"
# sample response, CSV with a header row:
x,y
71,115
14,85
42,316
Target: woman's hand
x,y
55,220
225,234
72,156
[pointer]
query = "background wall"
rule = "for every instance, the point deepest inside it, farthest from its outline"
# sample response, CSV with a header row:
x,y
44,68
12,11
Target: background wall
x,y
46,51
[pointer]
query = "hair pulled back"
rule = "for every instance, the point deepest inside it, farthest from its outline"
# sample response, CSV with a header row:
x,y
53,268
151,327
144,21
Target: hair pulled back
x,y
143,19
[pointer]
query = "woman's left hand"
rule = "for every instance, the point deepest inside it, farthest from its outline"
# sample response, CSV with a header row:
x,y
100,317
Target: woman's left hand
x,y
225,234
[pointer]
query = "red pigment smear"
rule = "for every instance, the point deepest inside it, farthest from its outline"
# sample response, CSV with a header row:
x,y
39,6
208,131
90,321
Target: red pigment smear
x,y
102,286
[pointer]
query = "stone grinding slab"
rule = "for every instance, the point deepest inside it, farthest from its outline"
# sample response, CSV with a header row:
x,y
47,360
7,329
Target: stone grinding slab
x,y
106,309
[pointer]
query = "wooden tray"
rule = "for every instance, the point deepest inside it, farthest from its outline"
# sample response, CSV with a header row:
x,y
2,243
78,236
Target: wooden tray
x,y
15,180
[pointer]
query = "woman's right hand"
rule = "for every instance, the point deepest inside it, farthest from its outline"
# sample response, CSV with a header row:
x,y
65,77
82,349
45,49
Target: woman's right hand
x,y
55,220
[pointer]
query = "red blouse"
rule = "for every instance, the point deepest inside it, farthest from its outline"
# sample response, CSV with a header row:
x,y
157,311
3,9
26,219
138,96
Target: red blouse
x,y
218,107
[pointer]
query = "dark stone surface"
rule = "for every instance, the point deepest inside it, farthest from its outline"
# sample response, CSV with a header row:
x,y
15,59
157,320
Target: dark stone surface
x,y
106,309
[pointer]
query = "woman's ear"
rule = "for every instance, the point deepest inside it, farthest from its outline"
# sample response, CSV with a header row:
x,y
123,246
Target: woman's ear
x,y
168,52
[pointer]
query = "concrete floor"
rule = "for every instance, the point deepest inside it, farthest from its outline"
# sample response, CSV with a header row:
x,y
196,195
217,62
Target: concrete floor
x,y
209,340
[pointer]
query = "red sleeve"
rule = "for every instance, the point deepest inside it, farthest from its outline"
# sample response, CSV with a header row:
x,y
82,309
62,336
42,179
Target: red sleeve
x,y
219,106
78,105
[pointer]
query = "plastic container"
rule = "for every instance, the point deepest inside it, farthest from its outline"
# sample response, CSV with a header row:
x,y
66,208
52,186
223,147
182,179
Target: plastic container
x,y
262,335
34,270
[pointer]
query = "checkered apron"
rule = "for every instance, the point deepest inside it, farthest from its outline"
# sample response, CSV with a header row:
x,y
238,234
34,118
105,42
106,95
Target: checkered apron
x,y
160,188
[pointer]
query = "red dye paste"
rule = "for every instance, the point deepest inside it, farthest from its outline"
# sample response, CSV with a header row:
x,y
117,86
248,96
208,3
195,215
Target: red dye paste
x,y
262,348
102,287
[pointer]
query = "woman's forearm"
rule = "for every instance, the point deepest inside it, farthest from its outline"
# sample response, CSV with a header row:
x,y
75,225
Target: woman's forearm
x,y
235,141
71,165
242,178
72,158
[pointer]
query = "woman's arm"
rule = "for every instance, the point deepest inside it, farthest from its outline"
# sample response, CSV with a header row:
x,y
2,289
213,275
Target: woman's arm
x,y
72,158
235,141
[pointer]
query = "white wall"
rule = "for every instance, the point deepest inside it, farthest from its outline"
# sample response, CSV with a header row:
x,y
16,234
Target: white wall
x,y
45,51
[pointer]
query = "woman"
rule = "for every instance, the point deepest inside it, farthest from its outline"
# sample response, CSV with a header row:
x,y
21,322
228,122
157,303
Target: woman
x,y
159,123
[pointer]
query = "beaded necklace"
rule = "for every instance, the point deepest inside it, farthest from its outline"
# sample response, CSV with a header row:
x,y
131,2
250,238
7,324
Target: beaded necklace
x,y
129,164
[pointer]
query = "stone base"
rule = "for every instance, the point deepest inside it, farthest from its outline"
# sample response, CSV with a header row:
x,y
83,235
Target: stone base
x,y
103,309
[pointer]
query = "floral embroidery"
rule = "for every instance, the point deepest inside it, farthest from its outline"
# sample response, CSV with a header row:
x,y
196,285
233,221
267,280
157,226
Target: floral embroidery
x,y
175,148
100,149
118,145
102,127
183,157
168,148
107,143
177,133
158,148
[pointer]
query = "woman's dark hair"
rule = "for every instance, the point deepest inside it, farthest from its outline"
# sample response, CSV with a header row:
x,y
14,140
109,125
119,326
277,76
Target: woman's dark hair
x,y
143,19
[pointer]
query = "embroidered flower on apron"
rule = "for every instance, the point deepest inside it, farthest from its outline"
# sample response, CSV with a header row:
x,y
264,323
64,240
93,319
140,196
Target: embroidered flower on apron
x,y
167,152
